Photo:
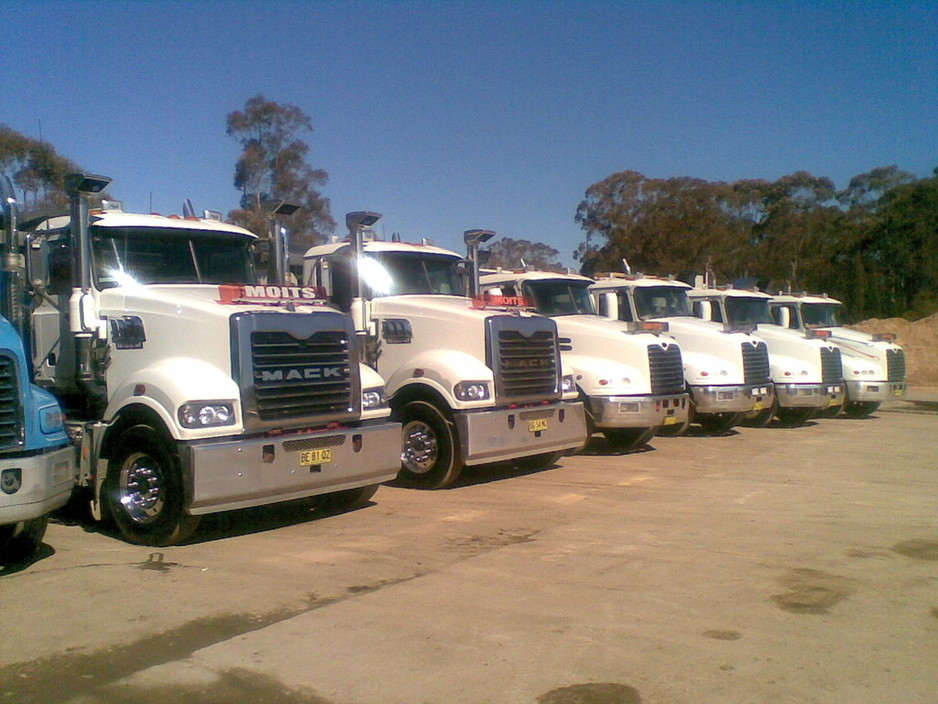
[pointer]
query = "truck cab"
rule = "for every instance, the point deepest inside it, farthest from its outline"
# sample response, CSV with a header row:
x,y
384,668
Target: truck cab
x,y
806,367
874,365
471,384
630,377
726,371
190,387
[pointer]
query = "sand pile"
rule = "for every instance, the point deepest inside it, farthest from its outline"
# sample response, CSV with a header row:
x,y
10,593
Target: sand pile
x,y
919,339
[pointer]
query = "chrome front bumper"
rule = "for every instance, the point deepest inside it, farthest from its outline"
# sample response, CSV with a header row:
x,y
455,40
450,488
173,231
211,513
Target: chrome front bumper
x,y
510,433
46,481
809,395
639,411
237,473
732,399
875,390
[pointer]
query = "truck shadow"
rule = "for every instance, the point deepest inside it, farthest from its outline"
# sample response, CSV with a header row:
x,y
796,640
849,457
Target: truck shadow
x,y
228,524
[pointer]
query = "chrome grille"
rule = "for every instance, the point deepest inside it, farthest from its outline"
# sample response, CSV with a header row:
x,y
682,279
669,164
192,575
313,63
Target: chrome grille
x,y
895,365
667,369
295,369
524,355
297,377
755,363
832,369
11,410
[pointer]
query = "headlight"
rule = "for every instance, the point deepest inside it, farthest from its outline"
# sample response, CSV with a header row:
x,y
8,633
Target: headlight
x,y
51,420
373,398
471,390
206,414
567,384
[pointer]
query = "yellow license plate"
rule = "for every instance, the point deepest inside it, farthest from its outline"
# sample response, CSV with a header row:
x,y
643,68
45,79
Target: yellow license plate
x,y
898,392
311,457
670,420
758,405
833,402
537,425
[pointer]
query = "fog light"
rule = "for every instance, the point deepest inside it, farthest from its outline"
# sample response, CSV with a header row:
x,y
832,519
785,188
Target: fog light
x,y
11,480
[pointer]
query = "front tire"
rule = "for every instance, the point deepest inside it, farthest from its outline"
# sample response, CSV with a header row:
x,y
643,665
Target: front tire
x,y
144,491
761,419
20,541
429,448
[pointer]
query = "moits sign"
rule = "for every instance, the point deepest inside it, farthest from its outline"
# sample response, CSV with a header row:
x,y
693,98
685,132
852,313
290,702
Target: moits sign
x,y
264,293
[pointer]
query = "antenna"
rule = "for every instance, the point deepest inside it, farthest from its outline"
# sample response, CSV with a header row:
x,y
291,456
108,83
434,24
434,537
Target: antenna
x,y
625,265
187,210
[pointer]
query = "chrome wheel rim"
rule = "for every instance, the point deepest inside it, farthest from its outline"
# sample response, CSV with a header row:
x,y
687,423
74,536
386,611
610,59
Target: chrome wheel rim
x,y
141,488
420,449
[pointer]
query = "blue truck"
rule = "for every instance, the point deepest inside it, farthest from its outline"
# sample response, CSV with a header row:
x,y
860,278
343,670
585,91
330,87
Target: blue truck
x,y
37,460
38,463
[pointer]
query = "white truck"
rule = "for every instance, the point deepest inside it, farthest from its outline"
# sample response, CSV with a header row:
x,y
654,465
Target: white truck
x,y
471,385
874,365
806,368
630,376
726,371
188,387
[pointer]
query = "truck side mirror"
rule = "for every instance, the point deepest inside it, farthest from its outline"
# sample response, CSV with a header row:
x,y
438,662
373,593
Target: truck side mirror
x,y
703,310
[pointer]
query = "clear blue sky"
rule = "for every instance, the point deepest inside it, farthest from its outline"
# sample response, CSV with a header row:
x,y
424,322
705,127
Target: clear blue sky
x,y
447,116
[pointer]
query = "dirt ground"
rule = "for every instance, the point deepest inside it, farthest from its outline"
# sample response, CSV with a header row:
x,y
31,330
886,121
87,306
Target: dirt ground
x,y
919,339
766,566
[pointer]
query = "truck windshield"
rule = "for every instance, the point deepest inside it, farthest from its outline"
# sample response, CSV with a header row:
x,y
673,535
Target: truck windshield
x,y
167,256
660,301
820,314
560,297
747,310
401,273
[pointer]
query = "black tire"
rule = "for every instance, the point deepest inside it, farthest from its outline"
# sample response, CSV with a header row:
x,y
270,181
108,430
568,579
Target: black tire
x,y
143,489
860,409
347,499
719,423
625,439
793,417
429,447
20,541
761,419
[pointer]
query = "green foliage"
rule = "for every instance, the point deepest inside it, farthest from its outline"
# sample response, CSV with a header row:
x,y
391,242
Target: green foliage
x,y
273,166
509,253
36,170
873,245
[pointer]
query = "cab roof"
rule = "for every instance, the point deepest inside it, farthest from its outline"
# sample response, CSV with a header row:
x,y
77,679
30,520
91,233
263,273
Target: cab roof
x,y
377,246
611,282
120,219
497,277
804,298
727,293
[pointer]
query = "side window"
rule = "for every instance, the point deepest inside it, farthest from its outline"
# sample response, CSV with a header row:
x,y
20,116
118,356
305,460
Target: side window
x,y
60,267
716,311
625,308
341,293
